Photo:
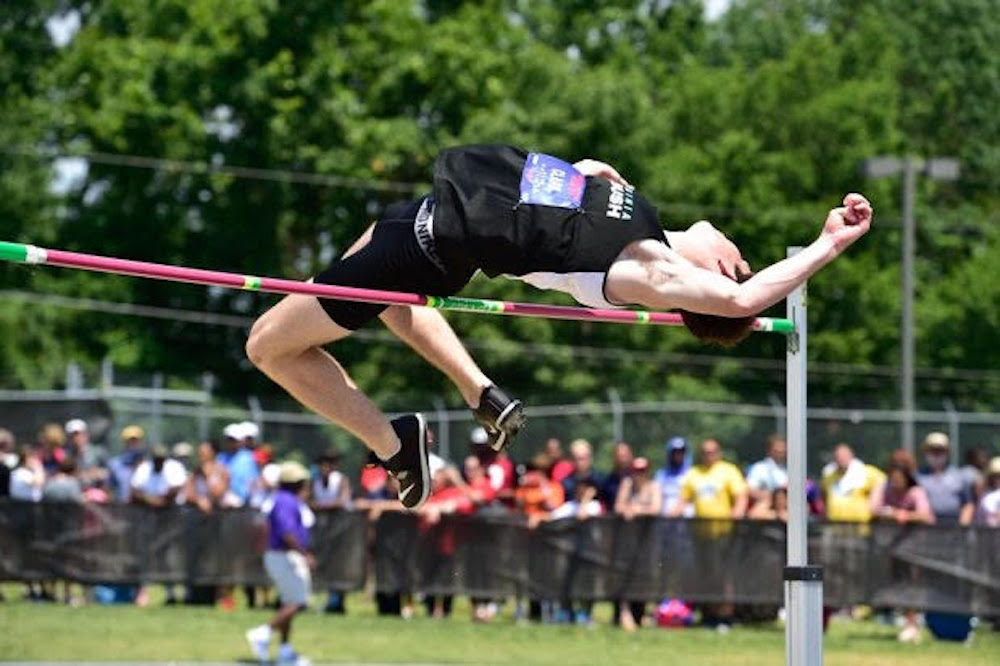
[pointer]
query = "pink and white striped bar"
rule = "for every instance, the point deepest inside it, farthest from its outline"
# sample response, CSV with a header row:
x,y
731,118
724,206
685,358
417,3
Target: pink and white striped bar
x,y
30,254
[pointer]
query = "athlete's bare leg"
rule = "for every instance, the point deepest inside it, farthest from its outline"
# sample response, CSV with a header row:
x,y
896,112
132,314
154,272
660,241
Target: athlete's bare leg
x,y
286,344
430,335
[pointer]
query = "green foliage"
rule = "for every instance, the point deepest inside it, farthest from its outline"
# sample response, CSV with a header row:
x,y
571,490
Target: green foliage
x,y
758,121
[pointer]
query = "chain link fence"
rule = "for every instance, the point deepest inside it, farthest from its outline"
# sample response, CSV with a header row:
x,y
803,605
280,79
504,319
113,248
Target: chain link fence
x,y
173,415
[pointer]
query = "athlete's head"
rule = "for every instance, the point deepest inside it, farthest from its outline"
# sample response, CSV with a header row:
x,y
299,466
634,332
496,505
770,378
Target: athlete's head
x,y
708,248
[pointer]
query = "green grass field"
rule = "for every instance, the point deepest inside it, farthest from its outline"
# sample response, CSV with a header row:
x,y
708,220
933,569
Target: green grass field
x,y
33,631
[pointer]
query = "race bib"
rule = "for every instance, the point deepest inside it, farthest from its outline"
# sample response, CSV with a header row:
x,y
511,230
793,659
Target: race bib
x,y
549,181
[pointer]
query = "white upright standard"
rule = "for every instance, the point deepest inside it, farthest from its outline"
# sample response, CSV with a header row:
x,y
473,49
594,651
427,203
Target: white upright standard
x,y
803,583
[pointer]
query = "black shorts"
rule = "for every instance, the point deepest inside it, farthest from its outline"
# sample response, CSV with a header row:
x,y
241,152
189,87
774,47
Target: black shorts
x,y
392,260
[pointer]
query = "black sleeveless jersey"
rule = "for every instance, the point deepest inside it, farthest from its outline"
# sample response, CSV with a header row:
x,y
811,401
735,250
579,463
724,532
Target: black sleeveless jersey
x,y
480,220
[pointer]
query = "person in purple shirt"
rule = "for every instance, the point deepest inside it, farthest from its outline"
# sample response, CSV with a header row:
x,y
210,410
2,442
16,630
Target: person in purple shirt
x,y
287,561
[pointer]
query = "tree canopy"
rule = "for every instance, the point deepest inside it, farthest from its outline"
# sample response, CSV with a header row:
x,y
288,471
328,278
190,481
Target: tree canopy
x,y
758,121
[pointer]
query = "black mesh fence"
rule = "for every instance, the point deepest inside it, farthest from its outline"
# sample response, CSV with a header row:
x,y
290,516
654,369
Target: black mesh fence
x,y
94,543
946,568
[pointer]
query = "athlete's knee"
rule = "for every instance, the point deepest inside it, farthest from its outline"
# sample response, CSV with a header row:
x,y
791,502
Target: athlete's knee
x,y
261,347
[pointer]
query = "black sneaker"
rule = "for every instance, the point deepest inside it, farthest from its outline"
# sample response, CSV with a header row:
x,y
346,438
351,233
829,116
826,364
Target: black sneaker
x,y
501,416
409,466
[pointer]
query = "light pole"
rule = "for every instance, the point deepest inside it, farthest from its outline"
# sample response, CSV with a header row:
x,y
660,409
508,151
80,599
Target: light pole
x,y
935,168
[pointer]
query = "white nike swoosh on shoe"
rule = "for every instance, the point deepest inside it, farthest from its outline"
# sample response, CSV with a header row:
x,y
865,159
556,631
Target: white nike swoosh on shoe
x,y
514,404
404,493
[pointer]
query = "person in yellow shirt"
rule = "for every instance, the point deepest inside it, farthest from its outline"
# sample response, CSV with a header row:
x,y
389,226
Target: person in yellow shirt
x,y
718,491
848,485
715,487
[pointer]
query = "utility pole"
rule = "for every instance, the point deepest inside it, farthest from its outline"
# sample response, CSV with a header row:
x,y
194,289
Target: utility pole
x,y
935,168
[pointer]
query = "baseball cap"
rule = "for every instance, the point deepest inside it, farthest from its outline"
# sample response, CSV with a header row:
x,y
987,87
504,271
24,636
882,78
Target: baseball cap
x,y
936,440
676,444
158,451
994,467
233,431
133,432
271,474
250,429
292,472
435,463
183,449
75,426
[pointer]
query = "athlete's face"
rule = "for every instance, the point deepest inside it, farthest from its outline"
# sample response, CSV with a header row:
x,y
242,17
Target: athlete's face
x,y
716,253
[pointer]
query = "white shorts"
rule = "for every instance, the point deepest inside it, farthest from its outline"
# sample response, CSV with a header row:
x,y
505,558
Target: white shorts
x,y
290,573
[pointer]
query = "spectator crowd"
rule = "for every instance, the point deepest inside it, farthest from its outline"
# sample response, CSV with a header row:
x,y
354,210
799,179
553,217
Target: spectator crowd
x,y
689,481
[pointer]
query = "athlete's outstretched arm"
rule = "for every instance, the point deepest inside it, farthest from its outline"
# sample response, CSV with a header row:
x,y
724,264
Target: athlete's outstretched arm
x,y
669,284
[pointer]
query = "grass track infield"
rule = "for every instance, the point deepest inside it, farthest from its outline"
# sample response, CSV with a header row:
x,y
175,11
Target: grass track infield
x,y
55,632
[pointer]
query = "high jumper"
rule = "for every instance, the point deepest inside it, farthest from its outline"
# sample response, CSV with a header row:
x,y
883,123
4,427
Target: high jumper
x,y
578,228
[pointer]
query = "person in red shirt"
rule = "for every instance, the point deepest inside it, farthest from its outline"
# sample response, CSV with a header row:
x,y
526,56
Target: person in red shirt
x,y
263,454
500,472
449,495
479,489
561,467
373,483
482,494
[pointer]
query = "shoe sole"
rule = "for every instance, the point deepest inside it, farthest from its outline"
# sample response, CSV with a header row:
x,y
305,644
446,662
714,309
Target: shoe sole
x,y
507,431
425,472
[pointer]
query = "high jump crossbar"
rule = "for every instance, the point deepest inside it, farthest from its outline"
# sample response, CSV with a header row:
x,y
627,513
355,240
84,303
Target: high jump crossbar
x,y
31,254
803,583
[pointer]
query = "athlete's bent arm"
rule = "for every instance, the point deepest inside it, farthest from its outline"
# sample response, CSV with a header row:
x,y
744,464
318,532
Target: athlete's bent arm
x,y
688,287
675,283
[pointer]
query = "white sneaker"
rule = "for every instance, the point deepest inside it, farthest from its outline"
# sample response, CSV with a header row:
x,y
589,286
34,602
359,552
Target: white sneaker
x,y
289,657
909,634
259,639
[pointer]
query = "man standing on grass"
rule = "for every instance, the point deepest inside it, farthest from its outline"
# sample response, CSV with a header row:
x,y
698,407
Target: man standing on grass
x,y
287,562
